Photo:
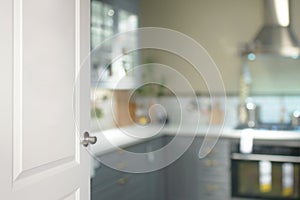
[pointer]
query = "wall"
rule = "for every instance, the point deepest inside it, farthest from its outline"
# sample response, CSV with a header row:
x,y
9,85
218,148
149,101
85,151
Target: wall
x,y
220,26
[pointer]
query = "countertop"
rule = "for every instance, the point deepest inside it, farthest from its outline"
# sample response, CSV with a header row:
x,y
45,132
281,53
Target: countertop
x,y
112,139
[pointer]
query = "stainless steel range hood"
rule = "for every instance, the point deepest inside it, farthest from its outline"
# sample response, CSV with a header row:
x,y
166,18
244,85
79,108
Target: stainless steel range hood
x,y
276,36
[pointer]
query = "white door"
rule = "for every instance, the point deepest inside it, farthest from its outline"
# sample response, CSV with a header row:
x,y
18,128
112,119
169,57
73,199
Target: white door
x,y
42,43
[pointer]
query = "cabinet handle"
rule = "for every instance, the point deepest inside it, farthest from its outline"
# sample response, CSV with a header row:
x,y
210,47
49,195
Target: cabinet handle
x,y
210,163
122,181
215,163
121,151
212,187
122,165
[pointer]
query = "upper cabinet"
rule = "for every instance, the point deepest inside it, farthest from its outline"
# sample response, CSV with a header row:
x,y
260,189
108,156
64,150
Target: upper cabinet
x,y
111,62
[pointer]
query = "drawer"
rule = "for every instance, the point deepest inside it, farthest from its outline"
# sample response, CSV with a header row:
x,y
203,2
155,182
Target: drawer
x,y
107,193
218,176
221,150
214,190
220,153
137,194
127,186
217,171
216,197
114,159
210,162
126,159
104,176
134,181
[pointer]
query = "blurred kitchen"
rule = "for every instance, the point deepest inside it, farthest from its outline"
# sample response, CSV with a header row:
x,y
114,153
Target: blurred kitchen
x,y
254,44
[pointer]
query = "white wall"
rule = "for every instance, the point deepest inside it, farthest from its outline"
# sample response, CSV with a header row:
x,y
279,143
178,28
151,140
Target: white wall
x,y
220,26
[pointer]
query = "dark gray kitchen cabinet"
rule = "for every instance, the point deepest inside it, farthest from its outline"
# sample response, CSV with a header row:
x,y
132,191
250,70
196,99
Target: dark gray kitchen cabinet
x,y
180,175
192,178
187,178
156,179
109,184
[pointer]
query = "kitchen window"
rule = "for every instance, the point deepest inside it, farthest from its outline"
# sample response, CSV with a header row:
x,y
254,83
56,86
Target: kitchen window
x,y
109,18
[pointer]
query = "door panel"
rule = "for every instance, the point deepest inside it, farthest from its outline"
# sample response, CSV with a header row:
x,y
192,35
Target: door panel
x,y
46,40
47,75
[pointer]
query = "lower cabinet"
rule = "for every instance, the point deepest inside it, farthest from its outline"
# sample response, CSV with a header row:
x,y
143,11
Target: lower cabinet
x,y
192,178
112,184
188,178
125,187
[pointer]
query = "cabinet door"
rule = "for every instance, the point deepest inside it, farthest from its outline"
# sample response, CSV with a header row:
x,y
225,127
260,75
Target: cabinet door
x,y
181,176
192,178
215,172
111,184
155,179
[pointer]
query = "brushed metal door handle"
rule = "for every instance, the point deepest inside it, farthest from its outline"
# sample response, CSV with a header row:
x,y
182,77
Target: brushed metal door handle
x,y
87,139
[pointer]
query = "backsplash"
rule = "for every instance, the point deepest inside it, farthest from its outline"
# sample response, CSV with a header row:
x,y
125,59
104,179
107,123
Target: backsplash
x,y
273,109
191,110
199,109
